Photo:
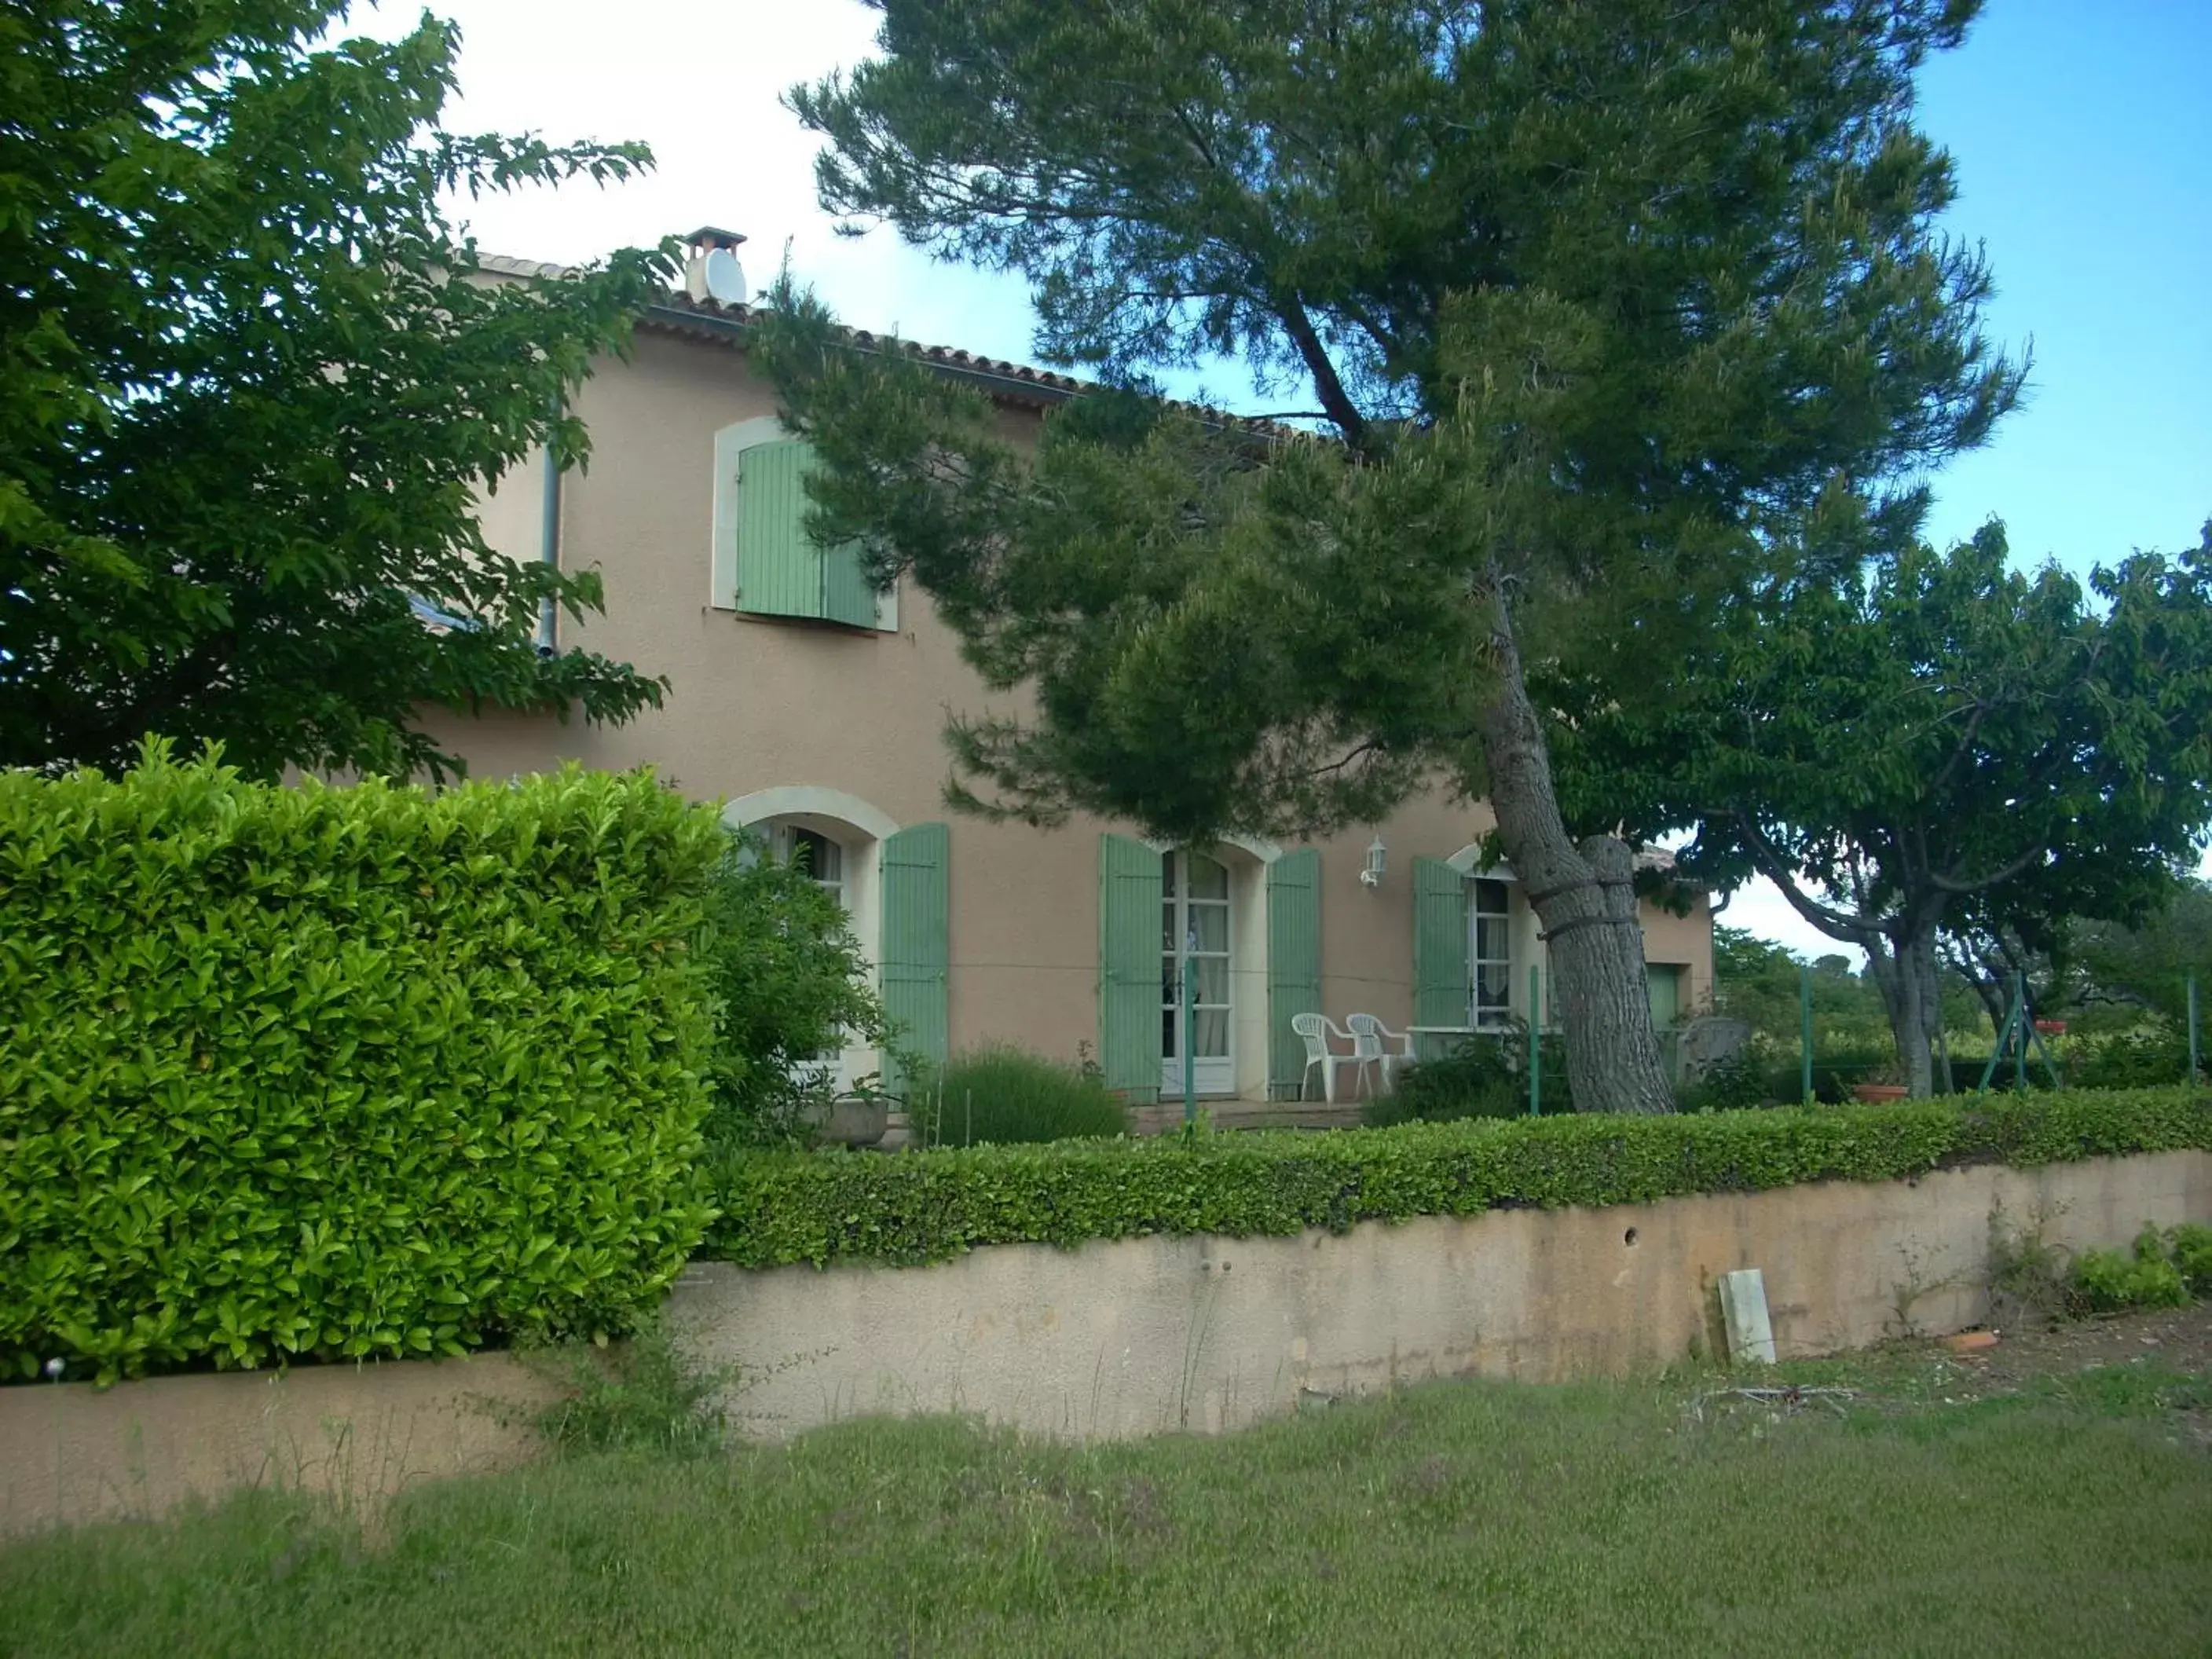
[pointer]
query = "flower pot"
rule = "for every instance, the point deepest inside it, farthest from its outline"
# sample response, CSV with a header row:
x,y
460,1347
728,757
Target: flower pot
x,y
853,1121
1879,1091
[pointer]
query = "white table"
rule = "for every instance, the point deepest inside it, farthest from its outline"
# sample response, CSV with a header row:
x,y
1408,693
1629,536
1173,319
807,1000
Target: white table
x,y
1453,1035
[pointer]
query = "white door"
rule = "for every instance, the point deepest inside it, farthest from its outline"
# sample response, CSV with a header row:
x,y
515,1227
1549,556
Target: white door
x,y
1195,928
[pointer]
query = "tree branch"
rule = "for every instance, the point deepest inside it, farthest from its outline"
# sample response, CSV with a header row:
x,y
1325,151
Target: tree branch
x,y
1854,930
1334,397
2002,872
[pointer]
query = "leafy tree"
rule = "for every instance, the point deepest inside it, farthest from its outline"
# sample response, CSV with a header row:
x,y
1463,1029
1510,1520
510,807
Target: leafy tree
x,y
2150,964
1594,303
1934,743
250,382
789,984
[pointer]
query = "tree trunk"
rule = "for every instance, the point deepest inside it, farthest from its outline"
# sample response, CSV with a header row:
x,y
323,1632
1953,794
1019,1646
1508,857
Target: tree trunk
x,y
1585,898
1905,972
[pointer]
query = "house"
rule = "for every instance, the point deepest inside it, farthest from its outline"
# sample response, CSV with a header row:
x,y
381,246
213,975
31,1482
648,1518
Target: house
x,y
813,706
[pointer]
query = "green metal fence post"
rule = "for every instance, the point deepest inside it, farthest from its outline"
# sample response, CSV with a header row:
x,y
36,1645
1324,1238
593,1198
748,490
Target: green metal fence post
x,y
1996,1049
2019,1035
1190,1039
1805,1030
2194,1073
1536,1039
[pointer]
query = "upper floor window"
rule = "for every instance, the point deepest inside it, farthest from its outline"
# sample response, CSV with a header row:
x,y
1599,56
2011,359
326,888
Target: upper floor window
x,y
764,561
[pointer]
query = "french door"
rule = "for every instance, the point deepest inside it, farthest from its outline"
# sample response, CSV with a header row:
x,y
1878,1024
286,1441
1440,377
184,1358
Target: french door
x,y
1490,957
1194,928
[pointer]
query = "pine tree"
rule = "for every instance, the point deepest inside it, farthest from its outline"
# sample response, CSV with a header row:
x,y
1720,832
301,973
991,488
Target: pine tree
x,y
1597,305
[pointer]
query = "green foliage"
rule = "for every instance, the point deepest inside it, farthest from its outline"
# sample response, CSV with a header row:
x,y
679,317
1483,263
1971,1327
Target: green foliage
x,y
1736,1083
2139,1057
1756,980
927,1206
2030,1275
2191,1246
643,1394
1001,1094
341,1073
2151,963
1480,1077
2145,1276
1925,741
790,983
251,385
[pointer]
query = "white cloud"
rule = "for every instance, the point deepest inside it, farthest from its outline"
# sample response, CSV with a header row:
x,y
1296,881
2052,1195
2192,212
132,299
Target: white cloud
x,y
701,83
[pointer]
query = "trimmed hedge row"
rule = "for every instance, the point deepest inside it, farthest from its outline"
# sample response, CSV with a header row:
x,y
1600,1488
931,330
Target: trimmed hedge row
x,y
778,1208
342,1072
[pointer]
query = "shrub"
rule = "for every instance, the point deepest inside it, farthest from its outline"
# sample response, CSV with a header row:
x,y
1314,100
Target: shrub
x,y
2110,1281
1480,1077
1736,1083
926,1206
367,1071
1836,1072
789,983
2144,1057
2030,1277
1002,1094
2192,1254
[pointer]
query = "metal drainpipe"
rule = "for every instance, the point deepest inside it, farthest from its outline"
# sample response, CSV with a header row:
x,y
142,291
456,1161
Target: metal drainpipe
x,y
548,540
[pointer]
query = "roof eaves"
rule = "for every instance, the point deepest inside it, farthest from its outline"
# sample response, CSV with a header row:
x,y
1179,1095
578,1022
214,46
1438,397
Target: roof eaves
x,y
677,313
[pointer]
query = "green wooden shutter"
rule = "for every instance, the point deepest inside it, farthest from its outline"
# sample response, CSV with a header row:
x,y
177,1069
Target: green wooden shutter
x,y
779,571
1441,981
1293,963
846,595
916,912
1129,967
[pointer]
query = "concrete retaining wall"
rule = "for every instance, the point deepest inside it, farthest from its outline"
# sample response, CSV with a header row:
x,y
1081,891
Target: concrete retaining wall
x,y
1142,1335
1129,1338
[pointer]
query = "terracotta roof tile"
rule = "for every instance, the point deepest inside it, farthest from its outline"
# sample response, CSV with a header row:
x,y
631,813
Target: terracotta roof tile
x,y
678,313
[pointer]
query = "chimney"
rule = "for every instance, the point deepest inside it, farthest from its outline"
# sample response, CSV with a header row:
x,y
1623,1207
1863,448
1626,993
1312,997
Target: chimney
x,y
712,271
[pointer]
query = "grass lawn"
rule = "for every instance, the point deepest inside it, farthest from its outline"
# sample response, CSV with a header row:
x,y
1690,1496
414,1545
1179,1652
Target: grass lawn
x,y
2067,1511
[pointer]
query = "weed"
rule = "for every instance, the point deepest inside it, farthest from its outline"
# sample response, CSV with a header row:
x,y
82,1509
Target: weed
x,y
2031,1279
644,1394
1912,1286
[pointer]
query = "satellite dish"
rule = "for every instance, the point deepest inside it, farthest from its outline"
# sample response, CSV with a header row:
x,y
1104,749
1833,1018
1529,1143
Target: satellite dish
x,y
725,278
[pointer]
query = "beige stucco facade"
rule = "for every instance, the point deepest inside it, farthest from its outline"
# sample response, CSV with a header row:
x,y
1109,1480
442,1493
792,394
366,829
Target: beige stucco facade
x,y
838,729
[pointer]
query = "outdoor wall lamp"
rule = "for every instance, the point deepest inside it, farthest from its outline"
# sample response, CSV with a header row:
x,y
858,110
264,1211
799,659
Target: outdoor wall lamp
x,y
1378,855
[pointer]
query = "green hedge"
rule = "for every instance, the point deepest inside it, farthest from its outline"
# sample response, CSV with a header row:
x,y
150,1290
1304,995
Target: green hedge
x,y
926,1207
342,1072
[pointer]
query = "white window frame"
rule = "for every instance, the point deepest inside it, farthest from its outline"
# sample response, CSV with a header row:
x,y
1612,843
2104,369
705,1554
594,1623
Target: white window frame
x,y
1494,1017
1211,1075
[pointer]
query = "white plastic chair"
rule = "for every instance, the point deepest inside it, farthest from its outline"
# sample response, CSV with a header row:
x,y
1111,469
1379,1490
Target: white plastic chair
x,y
1369,1038
1315,1030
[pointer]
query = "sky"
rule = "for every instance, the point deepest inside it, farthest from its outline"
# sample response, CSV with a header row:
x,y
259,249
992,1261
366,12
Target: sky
x,y
2081,136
